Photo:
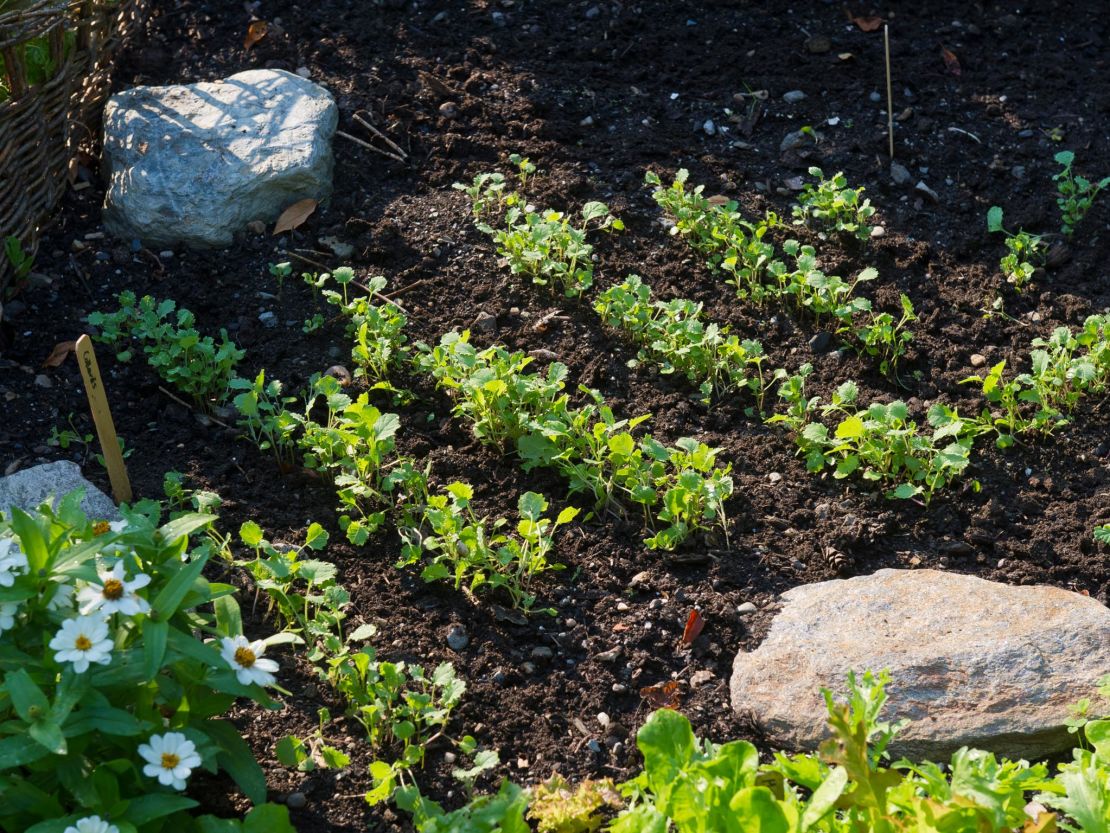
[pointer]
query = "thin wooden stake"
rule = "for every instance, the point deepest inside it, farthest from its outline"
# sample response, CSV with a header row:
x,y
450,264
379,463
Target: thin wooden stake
x,y
889,94
102,418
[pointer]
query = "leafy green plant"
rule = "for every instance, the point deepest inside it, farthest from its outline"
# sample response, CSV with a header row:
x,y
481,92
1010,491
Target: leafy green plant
x,y
303,592
400,706
264,415
20,261
378,330
548,246
354,445
1063,369
674,337
63,438
312,324
812,290
487,194
197,366
1102,533
491,390
884,337
693,785
525,168
116,646
587,445
717,229
313,752
502,812
1075,193
459,546
881,442
557,807
1026,251
831,205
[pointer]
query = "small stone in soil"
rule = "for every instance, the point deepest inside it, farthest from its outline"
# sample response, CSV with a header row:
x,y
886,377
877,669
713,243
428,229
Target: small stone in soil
x,y
700,678
794,96
922,188
641,579
603,720
295,800
978,360
485,322
619,688
43,381
746,607
542,652
899,173
268,319
878,231
457,638
528,667
818,44
594,746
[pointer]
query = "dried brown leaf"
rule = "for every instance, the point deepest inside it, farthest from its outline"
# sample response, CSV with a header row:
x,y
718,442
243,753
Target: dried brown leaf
x,y
868,24
58,355
951,61
295,215
255,32
695,622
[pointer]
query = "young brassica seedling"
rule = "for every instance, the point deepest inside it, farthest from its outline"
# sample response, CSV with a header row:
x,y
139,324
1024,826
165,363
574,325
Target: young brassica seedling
x,y
1076,193
1026,251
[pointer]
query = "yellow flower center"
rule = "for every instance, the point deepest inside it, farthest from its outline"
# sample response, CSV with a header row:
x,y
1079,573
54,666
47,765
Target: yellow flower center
x,y
82,643
170,760
245,657
113,589
101,528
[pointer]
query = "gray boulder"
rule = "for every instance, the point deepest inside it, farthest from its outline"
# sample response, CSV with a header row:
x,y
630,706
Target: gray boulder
x,y
27,489
195,163
973,662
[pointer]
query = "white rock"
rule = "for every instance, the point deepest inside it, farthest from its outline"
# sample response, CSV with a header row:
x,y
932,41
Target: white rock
x,y
973,662
195,163
794,96
27,489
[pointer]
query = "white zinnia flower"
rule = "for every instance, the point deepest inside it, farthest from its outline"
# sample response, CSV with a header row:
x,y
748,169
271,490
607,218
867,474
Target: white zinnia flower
x,y
12,562
246,660
170,758
8,610
61,598
82,641
92,824
114,594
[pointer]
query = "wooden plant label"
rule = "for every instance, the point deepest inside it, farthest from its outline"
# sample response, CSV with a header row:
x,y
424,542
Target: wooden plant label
x,y
102,417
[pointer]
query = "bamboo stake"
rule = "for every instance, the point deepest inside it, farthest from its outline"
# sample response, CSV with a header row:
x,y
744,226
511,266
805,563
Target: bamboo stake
x,y
102,418
889,94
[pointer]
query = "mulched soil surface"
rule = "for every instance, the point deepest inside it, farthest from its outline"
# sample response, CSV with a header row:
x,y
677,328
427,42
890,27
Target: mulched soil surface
x,y
597,93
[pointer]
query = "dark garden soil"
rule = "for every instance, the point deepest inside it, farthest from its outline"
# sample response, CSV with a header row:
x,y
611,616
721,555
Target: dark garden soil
x,y
596,93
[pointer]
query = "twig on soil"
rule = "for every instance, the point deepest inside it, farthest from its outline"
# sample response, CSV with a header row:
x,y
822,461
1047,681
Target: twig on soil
x,y
391,295
182,402
379,134
369,146
961,130
889,95
361,286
